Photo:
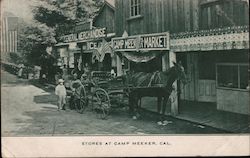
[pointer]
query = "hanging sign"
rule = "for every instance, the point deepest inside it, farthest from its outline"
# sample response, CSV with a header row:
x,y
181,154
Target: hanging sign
x,y
159,41
93,45
85,35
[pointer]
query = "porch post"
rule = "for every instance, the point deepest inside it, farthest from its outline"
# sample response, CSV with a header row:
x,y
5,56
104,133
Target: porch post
x,y
119,65
68,56
165,61
173,97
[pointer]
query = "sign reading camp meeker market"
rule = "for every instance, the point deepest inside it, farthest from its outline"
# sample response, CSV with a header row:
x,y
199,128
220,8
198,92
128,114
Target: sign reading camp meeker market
x,y
159,41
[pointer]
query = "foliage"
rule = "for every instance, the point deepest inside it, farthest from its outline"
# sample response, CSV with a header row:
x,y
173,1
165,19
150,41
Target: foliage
x,y
15,57
49,14
33,38
51,19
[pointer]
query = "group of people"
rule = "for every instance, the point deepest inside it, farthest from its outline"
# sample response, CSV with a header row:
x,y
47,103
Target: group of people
x,y
75,82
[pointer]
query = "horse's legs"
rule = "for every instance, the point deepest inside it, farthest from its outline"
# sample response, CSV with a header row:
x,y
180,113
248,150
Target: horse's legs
x,y
139,102
159,101
131,103
164,105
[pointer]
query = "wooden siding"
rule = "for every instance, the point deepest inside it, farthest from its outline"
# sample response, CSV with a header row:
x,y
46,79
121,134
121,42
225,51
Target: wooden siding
x,y
179,15
105,18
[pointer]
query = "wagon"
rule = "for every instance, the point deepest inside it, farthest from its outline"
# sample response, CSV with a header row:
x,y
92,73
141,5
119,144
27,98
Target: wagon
x,y
108,93
80,98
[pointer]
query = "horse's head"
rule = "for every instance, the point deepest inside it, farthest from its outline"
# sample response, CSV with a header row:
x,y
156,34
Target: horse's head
x,y
180,72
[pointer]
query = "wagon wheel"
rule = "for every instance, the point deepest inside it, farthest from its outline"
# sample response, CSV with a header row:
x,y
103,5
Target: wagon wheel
x,y
81,99
101,103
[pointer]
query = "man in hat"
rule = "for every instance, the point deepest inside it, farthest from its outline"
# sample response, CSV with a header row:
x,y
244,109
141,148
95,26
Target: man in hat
x,y
60,91
86,81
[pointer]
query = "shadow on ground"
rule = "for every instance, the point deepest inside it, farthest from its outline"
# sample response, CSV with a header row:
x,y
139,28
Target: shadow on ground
x,y
42,86
19,82
50,121
46,99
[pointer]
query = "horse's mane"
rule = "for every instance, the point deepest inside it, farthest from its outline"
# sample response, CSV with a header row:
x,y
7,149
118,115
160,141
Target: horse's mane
x,y
144,79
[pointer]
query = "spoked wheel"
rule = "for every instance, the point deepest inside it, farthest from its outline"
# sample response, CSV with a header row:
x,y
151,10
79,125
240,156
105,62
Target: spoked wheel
x,y
81,99
101,103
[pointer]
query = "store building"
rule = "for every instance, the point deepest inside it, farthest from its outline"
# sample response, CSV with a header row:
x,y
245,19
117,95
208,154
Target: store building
x,y
210,38
88,44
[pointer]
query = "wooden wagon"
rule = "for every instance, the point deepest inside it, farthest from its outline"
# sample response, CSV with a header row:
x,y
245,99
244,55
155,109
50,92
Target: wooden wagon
x,y
107,93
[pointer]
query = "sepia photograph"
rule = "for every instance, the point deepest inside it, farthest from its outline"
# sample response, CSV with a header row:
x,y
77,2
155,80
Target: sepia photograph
x,y
93,78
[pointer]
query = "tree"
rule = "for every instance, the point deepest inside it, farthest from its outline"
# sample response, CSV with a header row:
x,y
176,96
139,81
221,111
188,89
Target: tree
x,y
52,13
51,19
33,38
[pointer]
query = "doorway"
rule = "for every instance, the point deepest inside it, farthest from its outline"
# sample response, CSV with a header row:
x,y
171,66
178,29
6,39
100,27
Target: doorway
x,y
206,91
200,71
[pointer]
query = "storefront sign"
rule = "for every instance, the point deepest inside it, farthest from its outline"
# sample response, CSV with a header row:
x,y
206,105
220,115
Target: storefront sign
x,y
85,35
93,45
97,33
158,41
130,43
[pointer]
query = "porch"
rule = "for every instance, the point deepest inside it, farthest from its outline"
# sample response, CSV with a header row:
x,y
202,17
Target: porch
x,y
205,114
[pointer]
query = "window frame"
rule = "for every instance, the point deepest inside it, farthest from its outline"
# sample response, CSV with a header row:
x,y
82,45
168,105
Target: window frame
x,y
238,65
133,7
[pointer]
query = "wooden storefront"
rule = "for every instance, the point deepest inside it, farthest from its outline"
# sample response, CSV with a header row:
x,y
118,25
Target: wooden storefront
x,y
217,66
140,50
88,44
204,34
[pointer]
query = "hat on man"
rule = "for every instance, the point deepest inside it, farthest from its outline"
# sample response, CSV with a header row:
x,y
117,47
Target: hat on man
x,y
60,80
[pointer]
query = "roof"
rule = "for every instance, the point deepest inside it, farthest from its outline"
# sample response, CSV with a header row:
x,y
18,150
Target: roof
x,y
110,2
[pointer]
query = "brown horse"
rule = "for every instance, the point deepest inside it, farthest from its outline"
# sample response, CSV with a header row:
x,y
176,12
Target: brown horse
x,y
161,92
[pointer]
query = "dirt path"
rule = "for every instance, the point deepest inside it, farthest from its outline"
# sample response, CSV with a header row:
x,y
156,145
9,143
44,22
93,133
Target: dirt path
x,y
29,110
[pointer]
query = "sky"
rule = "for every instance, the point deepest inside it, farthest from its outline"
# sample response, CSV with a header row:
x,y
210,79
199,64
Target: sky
x,y
20,8
112,2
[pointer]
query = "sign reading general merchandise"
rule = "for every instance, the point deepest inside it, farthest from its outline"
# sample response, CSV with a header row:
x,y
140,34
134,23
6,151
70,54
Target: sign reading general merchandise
x,y
159,41
86,35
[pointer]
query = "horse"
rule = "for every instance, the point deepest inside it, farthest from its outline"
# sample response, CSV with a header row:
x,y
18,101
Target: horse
x,y
161,92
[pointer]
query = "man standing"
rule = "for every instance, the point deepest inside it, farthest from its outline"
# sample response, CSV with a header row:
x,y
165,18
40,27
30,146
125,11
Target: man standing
x,y
75,83
60,91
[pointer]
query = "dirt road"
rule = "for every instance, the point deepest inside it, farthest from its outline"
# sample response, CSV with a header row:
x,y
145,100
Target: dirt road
x,y
31,111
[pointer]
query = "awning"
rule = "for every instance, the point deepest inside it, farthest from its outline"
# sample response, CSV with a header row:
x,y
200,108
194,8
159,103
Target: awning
x,y
61,44
216,39
139,57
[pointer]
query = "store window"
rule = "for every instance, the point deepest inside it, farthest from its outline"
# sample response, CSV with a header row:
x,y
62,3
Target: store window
x,y
231,75
135,8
